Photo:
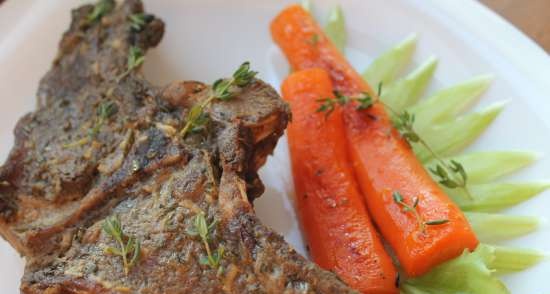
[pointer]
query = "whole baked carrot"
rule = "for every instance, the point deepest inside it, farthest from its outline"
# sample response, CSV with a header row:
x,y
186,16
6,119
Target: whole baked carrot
x,y
337,227
432,229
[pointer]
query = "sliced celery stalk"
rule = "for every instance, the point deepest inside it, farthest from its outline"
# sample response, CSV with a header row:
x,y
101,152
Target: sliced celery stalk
x,y
406,91
483,167
336,28
306,4
508,260
450,137
468,273
448,103
491,227
494,197
385,68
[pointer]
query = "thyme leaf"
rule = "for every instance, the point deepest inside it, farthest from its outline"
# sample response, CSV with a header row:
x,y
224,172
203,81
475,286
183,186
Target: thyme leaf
x,y
436,222
128,247
135,59
222,89
313,40
139,20
204,230
101,8
104,111
363,100
398,198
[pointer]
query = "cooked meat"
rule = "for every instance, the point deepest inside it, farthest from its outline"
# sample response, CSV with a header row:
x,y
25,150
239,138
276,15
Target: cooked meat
x,y
103,148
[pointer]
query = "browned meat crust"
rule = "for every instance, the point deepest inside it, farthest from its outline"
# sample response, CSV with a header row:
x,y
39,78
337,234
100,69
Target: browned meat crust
x,y
70,169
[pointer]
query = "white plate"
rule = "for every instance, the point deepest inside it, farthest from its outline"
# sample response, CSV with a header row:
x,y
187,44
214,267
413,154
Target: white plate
x,y
206,39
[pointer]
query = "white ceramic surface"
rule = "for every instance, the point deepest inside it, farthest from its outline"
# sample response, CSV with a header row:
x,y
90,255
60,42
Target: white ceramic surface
x,y
206,39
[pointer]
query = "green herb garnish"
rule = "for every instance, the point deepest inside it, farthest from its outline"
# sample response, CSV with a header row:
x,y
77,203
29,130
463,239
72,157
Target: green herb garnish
x,y
139,20
135,59
128,247
460,177
222,89
204,230
328,104
104,112
314,39
398,198
436,222
101,8
364,101
451,174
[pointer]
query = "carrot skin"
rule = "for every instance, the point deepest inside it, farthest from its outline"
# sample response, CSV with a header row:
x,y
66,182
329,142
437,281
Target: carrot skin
x,y
294,29
333,215
384,163
382,159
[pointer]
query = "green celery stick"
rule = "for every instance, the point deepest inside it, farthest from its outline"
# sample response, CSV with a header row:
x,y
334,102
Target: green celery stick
x,y
483,167
336,28
446,104
468,273
494,197
491,227
509,260
451,137
385,68
406,91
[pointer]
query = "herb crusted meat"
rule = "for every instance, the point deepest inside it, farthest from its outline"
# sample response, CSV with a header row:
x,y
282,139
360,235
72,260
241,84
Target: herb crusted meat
x,y
103,194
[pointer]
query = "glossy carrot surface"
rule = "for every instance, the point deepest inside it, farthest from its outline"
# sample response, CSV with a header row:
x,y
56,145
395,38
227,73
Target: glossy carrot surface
x,y
383,161
333,215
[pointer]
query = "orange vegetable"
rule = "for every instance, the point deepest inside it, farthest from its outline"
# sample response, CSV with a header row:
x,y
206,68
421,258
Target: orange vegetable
x,y
383,161
333,215
306,46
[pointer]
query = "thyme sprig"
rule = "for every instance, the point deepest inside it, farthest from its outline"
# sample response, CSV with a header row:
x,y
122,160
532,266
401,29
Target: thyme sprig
x,y
104,111
101,8
222,89
450,174
364,101
204,230
398,198
135,59
128,247
139,20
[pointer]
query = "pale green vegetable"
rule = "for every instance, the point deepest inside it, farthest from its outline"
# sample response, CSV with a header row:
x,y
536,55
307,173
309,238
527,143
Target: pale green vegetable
x,y
491,227
336,28
446,104
406,91
483,167
306,4
508,260
451,137
494,197
385,68
467,274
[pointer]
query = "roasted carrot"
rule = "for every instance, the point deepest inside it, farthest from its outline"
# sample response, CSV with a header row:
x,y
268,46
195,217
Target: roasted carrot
x,y
383,161
332,211
306,46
